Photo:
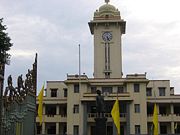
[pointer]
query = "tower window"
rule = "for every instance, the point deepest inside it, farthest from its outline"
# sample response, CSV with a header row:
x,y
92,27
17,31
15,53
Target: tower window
x,y
107,75
106,16
137,130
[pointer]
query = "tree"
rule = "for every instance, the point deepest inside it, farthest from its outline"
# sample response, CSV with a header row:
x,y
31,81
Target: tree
x,y
5,44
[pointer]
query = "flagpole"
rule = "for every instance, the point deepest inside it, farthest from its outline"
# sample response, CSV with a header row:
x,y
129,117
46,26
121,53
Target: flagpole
x,y
155,115
79,65
80,81
117,95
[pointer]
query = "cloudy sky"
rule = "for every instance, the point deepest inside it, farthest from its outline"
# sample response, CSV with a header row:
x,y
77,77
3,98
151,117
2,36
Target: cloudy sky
x,y
54,28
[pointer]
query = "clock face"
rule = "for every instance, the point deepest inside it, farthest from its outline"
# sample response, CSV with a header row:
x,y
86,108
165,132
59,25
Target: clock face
x,y
107,36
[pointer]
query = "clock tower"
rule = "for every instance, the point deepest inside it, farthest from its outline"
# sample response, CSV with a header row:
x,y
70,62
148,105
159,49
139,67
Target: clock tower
x,y
107,28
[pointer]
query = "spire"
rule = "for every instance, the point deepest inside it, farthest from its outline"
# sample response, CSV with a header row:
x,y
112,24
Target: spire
x,y
107,1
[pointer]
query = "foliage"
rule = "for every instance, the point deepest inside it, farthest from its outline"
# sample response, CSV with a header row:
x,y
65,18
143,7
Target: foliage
x,y
5,44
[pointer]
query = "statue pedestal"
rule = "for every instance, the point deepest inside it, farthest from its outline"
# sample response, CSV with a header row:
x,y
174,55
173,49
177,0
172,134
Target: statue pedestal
x,y
100,126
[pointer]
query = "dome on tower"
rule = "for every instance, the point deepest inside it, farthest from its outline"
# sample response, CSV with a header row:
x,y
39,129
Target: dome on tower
x,y
107,12
107,7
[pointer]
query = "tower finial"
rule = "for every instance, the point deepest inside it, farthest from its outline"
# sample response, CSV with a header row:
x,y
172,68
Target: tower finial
x,y
107,1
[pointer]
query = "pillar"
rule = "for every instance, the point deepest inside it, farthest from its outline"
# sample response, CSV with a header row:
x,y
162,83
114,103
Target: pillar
x,y
57,128
57,109
44,109
43,128
128,119
172,109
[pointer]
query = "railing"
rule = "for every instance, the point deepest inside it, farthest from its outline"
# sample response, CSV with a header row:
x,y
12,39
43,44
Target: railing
x,y
108,115
164,115
53,115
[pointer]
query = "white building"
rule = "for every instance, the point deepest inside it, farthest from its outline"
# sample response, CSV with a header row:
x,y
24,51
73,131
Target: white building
x,y
69,105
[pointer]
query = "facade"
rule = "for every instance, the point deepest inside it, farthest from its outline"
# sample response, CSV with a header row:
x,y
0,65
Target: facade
x,y
69,106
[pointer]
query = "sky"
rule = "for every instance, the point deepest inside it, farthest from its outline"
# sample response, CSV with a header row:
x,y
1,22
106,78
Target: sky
x,y
55,28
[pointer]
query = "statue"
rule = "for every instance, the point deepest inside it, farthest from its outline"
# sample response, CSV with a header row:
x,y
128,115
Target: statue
x,y
20,88
20,82
10,89
100,105
100,120
9,81
29,81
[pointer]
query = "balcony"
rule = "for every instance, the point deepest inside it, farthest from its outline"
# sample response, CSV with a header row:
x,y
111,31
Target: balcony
x,y
53,118
165,118
91,117
107,96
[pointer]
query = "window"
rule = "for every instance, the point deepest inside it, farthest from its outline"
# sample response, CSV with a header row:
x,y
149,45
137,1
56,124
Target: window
x,y
162,91
163,129
51,128
136,87
148,91
137,108
53,92
106,89
121,89
65,92
38,129
137,129
76,88
93,89
163,110
93,109
107,75
76,130
76,109
50,110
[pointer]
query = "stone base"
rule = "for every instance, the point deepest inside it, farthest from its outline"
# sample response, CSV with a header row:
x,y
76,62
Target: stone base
x,y
100,126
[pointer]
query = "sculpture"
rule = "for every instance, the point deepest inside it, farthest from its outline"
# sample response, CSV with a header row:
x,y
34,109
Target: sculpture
x,y
100,105
9,89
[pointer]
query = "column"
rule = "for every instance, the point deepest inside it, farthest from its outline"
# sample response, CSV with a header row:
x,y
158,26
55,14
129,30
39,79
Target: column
x,y
85,118
172,109
114,129
172,115
57,109
43,118
172,127
44,109
43,128
57,128
128,119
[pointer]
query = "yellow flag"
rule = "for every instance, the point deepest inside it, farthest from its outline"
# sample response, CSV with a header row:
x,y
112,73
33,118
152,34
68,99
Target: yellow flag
x,y
40,107
17,128
155,120
116,116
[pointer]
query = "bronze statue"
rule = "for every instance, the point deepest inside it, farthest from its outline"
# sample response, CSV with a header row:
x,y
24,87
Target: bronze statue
x,y
100,105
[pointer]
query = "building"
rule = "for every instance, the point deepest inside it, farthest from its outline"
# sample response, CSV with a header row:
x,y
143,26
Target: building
x,y
69,106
